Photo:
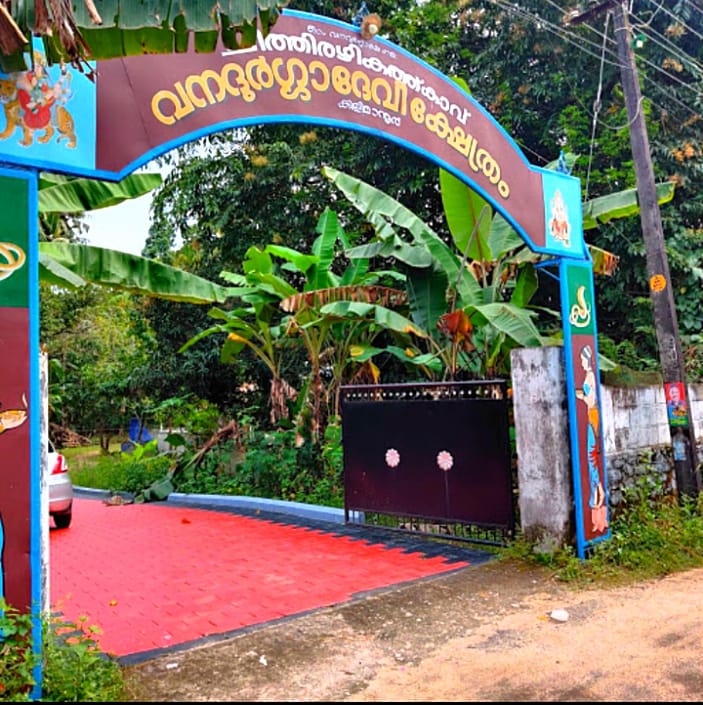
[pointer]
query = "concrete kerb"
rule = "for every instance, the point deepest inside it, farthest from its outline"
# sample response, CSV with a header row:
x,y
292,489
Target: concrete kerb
x,y
332,515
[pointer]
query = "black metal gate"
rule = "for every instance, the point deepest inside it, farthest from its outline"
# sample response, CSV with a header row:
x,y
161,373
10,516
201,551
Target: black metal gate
x,y
431,458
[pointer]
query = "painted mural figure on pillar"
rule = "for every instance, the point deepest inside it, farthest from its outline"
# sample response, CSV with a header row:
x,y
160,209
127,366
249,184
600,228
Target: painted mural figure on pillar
x,y
587,394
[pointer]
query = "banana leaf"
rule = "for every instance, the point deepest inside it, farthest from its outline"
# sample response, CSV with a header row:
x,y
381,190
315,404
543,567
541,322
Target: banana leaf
x,y
386,318
515,322
620,205
376,204
125,272
469,217
67,194
113,28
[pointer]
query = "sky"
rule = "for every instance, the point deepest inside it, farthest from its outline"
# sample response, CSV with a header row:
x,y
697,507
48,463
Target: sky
x,y
123,227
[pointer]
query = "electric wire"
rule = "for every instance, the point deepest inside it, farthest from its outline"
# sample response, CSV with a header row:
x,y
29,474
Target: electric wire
x,y
578,40
666,46
596,108
676,19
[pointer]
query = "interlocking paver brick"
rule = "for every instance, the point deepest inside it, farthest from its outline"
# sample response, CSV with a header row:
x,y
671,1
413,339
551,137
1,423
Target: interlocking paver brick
x,y
155,576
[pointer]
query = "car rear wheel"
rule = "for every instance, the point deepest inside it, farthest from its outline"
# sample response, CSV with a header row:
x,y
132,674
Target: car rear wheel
x,y
63,520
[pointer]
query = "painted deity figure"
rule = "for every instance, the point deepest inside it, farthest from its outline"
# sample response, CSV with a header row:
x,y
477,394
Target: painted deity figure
x,y
559,225
587,394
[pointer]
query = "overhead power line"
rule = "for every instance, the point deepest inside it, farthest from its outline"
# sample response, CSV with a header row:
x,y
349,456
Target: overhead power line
x,y
610,58
660,289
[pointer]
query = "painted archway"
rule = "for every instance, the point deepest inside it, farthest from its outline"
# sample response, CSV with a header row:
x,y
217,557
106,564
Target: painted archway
x,y
308,69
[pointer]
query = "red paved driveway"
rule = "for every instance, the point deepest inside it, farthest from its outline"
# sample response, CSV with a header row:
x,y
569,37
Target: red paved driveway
x,y
157,576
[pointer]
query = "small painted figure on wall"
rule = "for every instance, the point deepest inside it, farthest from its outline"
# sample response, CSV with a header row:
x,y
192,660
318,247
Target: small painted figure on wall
x,y
588,394
676,404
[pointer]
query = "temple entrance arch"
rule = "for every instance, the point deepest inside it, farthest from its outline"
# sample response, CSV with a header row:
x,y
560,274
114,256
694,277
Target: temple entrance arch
x,y
308,69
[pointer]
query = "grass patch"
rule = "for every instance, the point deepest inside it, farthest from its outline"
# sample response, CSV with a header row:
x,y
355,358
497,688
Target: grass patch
x,y
652,535
90,466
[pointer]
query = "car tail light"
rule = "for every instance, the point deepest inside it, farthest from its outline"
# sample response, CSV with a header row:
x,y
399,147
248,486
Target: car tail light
x,y
59,465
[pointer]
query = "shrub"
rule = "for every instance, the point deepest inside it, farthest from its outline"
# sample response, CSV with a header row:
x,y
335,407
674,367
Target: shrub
x,y
17,659
73,667
653,534
275,465
123,472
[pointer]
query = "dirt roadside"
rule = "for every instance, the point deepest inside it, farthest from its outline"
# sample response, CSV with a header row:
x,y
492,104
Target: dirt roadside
x,y
480,634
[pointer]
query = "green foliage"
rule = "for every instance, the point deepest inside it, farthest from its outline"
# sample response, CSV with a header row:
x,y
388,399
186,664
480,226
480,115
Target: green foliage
x,y
135,474
199,416
275,466
123,472
693,356
653,534
101,345
90,467
466,322
626,354
73,667
213,474
631,369
17,658
270,467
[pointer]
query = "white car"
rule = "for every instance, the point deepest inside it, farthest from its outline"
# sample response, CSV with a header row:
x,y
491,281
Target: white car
x,y
60,489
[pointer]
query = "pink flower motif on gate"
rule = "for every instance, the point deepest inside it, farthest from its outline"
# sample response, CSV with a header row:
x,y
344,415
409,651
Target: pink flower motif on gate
x,y
445,460
392,458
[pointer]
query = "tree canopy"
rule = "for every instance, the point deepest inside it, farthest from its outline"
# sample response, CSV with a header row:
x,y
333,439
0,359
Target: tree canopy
x,y
551,86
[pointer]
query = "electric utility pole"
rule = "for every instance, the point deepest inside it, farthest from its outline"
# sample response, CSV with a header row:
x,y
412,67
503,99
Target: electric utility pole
x,y
683,435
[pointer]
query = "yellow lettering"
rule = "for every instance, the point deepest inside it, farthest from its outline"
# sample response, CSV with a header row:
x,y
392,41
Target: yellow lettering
x,y
292,87
156,107
188,106
241,86
259,73
488,166
182,107
417,110
471,157
341,80
297,78
438,124
317,68
361,85
201,82
397,99
459,140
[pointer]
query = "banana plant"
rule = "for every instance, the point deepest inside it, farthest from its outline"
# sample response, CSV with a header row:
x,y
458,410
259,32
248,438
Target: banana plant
x,y
433,271
72,265
447,302
275,314
62,196
475,295
79,32
501,260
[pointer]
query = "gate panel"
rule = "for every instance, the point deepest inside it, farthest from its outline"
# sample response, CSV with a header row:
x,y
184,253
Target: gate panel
x,y
435,452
